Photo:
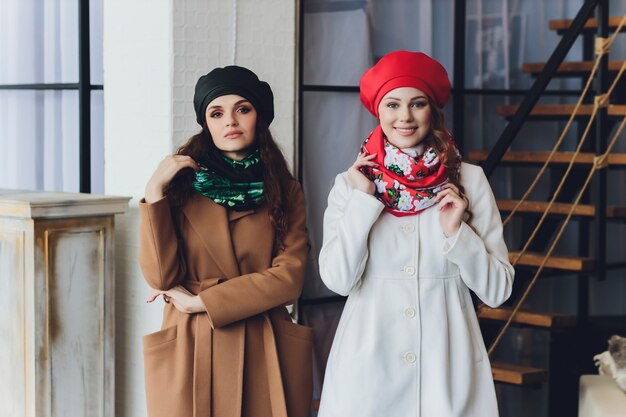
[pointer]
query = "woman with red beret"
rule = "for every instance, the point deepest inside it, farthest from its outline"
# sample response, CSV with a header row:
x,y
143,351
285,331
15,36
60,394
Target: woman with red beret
x,y
408,232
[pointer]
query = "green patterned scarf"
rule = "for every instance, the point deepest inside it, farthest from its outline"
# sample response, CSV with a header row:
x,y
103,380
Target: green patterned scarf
x,y
239,185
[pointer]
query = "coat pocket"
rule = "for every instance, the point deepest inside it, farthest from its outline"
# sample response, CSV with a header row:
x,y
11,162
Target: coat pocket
x,y
159,354
475,335
294,343
161,337
471,322
298,330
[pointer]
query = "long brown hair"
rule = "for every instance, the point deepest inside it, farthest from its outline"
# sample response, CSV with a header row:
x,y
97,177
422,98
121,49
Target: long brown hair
x,y
445,151
276,176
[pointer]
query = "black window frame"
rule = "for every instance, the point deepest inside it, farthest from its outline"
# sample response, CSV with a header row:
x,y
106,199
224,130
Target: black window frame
x,y
84,88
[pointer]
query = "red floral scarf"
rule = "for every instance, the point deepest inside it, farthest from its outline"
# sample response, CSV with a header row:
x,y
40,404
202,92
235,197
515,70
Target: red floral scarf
x,y
406,185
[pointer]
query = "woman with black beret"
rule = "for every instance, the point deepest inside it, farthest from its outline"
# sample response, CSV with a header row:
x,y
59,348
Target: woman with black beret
x,y
223,240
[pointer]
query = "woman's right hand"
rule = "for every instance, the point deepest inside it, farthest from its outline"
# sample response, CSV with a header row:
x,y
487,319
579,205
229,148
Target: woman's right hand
x,y
165,172
357,178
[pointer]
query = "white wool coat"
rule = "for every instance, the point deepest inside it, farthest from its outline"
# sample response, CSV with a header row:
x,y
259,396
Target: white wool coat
x,y
408,343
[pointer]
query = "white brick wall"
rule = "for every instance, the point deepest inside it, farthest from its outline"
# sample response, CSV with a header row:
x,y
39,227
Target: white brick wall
x,y
265,43
154,51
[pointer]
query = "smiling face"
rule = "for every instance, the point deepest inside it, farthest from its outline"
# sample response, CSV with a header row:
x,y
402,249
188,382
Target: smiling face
x,y
405,115
231,120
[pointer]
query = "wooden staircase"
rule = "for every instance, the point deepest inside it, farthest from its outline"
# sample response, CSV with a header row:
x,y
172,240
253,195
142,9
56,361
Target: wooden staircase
x,y
569,69
539,157
559,111
554,323
561,25
529,318
516,374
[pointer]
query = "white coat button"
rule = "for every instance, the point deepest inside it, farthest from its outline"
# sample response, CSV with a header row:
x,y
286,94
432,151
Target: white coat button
x,y
409,312
410,357
409,270
408,228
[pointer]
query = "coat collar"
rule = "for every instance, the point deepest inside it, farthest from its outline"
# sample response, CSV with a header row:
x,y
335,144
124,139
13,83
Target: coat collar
x,y
210,221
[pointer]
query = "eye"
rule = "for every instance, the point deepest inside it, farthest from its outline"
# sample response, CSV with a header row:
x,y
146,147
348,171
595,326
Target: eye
x,y
419,104
392,105
244,109
216,114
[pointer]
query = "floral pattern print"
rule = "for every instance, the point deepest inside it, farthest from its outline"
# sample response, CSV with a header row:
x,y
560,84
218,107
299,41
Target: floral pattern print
x,y
405,184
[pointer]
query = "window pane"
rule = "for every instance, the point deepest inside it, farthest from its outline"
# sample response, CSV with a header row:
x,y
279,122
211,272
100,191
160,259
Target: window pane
x,y
39,140
97,142
95,40
335,125
328,59
502,36
38,42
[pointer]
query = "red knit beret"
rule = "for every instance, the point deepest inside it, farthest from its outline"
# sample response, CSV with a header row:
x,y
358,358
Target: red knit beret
x,y
404,69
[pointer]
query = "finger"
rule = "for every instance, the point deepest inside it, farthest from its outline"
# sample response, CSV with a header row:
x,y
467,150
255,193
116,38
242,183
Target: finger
x,y
183,159
443,193
449,201
358,164
362,161
181,308
153,295
183,290
366,158
178,157
188,162
452,187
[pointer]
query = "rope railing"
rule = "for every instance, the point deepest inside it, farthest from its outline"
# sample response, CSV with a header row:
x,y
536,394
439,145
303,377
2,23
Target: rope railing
x,y
602,47
600,162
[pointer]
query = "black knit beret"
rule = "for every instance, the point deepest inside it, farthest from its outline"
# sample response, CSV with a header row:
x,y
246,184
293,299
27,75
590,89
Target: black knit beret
x,y
233,80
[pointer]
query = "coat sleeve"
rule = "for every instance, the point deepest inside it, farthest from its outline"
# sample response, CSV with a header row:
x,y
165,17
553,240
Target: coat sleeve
x,y
160,259
251,294
347,222
479,251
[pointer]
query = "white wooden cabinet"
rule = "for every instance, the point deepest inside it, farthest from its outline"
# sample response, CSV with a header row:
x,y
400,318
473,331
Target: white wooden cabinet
x,y
57,304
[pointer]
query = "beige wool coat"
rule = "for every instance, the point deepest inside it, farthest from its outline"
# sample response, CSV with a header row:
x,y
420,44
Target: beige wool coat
x,y
244,356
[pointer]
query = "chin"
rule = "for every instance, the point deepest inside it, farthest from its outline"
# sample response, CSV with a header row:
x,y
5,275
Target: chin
x,y
233,147
404,142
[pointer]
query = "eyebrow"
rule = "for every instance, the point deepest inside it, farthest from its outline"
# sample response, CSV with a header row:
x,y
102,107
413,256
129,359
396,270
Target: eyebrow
x,y
236,104
414,98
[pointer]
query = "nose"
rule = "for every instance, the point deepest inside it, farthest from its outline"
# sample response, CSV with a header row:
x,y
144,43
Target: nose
x,y
231,120
406,114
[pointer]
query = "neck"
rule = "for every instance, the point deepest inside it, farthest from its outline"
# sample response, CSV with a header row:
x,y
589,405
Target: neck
x,y
236,155
414,151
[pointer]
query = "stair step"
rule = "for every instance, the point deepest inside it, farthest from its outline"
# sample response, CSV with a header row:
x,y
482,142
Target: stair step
x,y
560,208
531,318
570,68
559,110
517,374
591,25
567,263
537,157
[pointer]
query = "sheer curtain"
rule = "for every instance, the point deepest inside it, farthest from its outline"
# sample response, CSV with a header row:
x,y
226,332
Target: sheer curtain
x,y
39,128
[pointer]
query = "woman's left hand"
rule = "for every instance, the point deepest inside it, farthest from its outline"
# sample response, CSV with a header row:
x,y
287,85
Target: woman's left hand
x,y
183,300
451,208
